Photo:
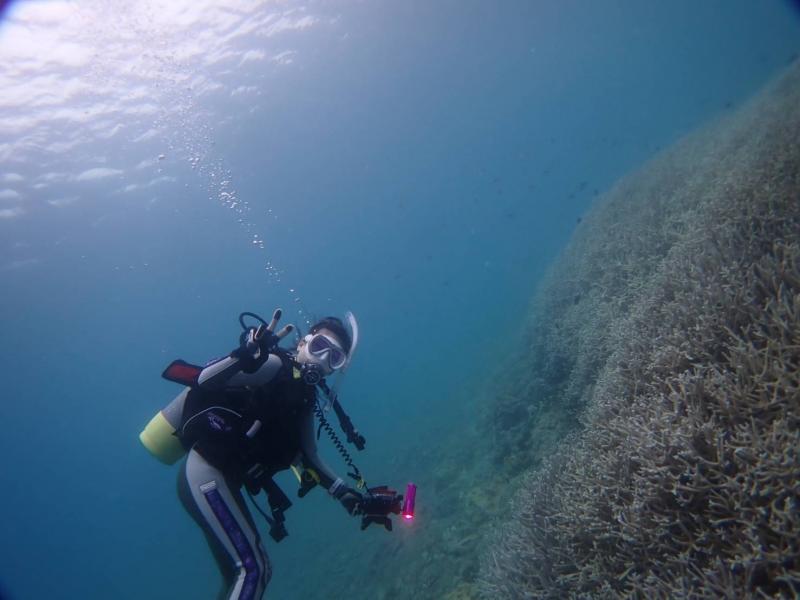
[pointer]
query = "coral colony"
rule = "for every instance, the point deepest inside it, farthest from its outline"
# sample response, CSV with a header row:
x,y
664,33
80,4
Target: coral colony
x,y
671,329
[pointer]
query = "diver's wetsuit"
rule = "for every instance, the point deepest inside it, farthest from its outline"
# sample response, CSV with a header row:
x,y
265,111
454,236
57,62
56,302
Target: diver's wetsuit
x,y
209,485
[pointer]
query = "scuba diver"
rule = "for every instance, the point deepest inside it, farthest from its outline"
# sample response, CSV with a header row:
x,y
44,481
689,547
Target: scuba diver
x,y
243,418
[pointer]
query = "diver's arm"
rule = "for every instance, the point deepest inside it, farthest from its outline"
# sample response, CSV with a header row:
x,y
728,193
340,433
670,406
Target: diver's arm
x,y
328,479
253,363
235,371
216,374
374,506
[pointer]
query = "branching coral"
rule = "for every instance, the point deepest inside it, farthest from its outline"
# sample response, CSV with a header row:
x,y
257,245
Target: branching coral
x,y
685,339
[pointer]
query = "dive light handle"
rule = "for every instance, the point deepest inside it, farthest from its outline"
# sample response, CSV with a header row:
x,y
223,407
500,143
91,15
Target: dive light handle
x,y
409,502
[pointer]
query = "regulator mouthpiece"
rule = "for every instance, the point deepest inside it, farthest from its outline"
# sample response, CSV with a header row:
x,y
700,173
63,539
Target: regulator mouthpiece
x,y
408,503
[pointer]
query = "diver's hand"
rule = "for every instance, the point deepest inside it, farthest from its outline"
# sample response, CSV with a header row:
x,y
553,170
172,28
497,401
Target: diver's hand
x,y
377,505
264,341
256,343
351,500
249,352
266,338
252,342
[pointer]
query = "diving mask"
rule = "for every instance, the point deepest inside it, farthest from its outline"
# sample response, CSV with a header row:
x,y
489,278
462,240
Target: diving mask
x,y
325,350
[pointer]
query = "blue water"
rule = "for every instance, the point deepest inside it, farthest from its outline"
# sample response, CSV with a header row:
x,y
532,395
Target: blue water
x,y
419,163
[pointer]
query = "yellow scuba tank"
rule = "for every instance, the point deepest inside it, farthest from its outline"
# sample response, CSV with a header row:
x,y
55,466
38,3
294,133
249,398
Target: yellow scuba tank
x,y
160,440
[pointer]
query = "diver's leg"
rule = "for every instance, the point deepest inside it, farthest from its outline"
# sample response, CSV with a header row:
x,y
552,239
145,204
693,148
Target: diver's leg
x,y
219,509
226,566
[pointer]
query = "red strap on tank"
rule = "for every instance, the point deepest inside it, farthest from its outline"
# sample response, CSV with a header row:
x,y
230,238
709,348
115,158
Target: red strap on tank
x,y
180,371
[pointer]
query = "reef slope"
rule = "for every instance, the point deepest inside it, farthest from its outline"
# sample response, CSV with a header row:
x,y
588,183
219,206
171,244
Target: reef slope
x,y
670,327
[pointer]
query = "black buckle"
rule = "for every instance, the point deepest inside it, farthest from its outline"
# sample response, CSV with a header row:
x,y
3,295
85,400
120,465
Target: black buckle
x,y
277,530
254,479
307,483
278,503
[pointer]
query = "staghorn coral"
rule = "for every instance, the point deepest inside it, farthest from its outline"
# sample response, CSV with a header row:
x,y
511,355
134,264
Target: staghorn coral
x,y
594,283
685,364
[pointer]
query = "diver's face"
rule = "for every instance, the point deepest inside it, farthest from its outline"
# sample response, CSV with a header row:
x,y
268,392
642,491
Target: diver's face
x,y
323,359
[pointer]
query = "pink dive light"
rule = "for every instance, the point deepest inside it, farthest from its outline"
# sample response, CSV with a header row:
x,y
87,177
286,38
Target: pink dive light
x,y
408,502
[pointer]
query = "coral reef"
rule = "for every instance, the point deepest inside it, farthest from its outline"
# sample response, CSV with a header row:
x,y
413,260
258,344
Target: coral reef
x,y
594,284
671,329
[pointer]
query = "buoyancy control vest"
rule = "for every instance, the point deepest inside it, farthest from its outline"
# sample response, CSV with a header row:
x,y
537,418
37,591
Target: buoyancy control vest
x,y
235,428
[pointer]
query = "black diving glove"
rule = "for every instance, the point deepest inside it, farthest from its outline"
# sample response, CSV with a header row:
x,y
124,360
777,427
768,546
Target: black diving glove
x,y
265,339
256,343
250,354
351,500
377,505
254,347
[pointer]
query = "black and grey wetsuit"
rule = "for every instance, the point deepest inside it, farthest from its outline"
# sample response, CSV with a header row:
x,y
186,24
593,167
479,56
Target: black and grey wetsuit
x,y
279,423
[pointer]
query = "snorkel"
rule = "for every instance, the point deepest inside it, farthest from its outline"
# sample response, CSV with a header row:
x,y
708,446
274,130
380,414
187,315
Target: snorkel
x,y
353,324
